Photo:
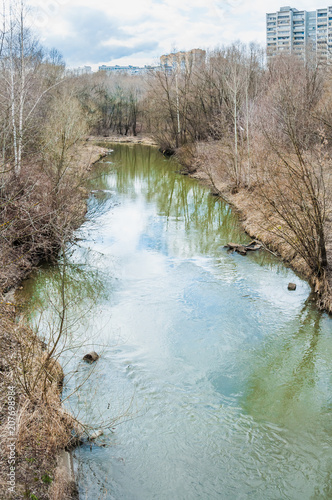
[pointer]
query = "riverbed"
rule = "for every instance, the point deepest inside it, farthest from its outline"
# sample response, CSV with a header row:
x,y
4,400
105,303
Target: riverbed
x,y
214,380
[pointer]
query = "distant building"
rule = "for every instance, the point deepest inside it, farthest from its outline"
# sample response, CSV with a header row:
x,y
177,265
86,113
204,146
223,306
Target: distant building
x,y
85,70
294,31
129,70
183,59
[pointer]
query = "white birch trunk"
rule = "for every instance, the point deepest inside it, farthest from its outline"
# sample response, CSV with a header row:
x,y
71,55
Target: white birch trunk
x,y
22,90
13,96
177,107
235,133
248,137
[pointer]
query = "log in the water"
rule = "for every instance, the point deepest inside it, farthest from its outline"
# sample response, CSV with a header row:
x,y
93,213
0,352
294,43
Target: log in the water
x,y
243,249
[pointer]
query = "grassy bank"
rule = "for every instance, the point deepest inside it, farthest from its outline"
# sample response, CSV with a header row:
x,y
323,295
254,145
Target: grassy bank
x,y
34,427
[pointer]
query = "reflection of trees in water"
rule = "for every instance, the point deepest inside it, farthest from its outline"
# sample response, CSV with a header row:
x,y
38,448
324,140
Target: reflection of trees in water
x,y
176,196
144,171
80,285
289,386
268,261
209,221
66,299
285,385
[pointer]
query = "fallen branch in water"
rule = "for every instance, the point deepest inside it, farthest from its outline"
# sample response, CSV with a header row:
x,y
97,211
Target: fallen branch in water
x,y
243,249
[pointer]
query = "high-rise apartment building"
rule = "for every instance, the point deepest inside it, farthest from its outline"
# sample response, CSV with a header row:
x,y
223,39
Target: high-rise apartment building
x,y
182,60
295,31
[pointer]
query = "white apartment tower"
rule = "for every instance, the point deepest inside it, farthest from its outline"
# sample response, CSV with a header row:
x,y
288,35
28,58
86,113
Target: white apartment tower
x,y
294,31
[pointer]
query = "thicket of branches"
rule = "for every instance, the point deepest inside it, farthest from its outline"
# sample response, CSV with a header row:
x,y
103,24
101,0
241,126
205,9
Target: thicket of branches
x,y
266,128
115,103
41,122
269,124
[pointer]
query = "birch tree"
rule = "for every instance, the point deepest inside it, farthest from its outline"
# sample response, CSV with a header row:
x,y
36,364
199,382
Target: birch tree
x,y
17,68
235,82
24,84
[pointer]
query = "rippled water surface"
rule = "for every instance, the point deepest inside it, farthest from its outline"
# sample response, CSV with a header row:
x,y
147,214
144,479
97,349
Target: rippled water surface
x,y
214,379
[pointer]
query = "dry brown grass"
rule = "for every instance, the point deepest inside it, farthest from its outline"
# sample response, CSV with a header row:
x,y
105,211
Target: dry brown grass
x,y
34,220
32,226
213,168
124,139
62,487
43,427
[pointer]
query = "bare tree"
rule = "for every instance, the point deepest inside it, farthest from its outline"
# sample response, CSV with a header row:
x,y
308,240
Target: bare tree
x,y
65,127
294,183
23,78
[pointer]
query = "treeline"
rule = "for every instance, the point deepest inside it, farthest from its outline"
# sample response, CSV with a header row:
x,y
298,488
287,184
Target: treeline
x,y
114,104
248,125
263,129
42,123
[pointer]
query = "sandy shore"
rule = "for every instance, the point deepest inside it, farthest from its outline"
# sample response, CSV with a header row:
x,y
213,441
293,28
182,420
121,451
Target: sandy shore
x,y
139,139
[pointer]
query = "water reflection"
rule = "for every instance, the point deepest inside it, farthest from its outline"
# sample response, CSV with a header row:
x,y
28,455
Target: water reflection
x,y
230,371
208,222
289,385
290,381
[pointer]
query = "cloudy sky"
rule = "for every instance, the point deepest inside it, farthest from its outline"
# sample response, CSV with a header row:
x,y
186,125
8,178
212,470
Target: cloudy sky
x,y
137,32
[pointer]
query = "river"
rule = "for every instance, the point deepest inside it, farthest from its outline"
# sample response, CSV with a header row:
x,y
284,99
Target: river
x,y
214,380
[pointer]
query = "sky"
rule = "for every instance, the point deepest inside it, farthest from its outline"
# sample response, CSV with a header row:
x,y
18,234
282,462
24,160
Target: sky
x,y
138,32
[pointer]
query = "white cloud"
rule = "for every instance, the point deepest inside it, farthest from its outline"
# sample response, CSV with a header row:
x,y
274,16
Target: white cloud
x,y
144,29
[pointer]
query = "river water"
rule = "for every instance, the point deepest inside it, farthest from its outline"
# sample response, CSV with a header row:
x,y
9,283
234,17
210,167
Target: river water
x,y
214,381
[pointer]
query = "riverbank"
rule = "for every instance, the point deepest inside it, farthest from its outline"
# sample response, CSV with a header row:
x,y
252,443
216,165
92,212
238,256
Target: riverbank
x,y
34,221
124,139
209,346
35,428
34,425
204,164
